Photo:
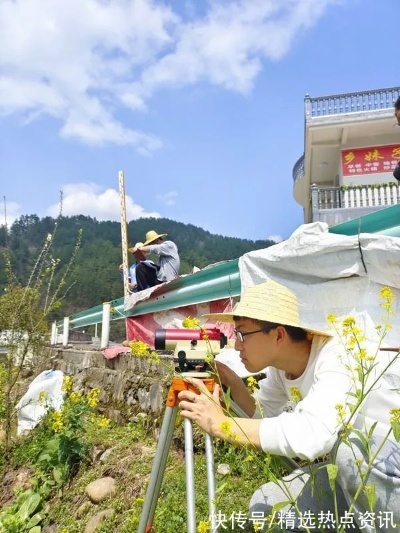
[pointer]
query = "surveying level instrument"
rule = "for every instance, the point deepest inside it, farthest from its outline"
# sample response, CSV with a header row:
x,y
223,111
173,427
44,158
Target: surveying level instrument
x,y
191,348
160,460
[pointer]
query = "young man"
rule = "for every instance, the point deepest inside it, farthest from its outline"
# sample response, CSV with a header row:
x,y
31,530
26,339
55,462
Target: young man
x,y
295,413
148,275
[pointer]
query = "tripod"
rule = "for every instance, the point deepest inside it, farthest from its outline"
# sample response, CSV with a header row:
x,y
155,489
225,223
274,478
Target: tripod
x,y
160,461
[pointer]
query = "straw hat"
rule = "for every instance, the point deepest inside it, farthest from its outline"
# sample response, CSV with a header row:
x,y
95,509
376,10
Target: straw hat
x,y
135,248
268,302
153,236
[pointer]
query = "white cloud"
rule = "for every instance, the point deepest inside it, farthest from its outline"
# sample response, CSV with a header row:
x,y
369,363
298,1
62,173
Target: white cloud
x,y
83,62
168,199
98,202
275,238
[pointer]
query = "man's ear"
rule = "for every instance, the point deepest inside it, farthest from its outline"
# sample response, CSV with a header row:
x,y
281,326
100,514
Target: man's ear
x,y
280,333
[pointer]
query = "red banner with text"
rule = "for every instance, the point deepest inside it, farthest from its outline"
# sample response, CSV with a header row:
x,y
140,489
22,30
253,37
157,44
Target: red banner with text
x,y
372,160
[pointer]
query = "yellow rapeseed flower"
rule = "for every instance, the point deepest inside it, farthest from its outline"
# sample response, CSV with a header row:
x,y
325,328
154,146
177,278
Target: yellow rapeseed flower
x,y
341,413
67,384
349,322
153,357
75,397
386,293
225,427
139,348
362,354
252,384
103,422
190,322
209,358
387,296
203,527
57,423
93,397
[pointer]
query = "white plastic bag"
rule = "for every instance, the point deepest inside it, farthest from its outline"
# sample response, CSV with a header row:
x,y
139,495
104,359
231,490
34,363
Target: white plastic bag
x,y
29,410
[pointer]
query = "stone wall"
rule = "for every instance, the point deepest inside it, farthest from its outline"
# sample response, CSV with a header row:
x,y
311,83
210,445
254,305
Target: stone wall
x,y
128,384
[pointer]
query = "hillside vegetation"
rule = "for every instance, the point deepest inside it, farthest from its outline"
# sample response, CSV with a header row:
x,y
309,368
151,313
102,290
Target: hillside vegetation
x,y
95,277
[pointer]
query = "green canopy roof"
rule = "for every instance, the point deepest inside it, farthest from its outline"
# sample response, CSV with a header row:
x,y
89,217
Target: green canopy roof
x,y
385,222
222,280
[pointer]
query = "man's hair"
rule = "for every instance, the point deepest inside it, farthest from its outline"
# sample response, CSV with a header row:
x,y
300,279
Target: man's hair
x,y
296,334
397,103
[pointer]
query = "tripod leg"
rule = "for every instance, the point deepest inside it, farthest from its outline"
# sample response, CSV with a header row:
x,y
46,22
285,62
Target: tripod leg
x,y
157,471
210,479
189,464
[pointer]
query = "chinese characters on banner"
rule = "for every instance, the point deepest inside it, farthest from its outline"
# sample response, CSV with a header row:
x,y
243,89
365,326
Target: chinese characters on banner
x,y
374,160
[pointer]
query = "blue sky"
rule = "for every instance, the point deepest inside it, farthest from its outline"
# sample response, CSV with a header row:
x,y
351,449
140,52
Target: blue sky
x,y
199,103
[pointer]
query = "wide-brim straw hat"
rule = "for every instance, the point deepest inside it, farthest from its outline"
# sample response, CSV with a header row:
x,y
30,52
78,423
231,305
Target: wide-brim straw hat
x,y
153,236
268,302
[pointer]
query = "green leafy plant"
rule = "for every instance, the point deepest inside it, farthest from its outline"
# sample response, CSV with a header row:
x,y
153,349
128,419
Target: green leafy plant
x,y
66,447
63,446
24,516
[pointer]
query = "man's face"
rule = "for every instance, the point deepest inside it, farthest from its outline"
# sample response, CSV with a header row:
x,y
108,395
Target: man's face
x,y
257,351
397,115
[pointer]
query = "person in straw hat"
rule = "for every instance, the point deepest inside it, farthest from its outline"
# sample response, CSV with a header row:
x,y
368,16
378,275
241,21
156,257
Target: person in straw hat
x,y
294,412
148,275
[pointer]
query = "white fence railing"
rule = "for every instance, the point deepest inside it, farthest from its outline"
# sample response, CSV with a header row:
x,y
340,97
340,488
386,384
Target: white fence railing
x,y
358,196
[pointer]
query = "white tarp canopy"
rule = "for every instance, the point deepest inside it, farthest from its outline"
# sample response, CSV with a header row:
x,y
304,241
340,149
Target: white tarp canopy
x,y
331,274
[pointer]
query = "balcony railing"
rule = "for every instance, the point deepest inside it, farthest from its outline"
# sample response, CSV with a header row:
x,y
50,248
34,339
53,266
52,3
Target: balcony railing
x,y
298,169
360,196
339,204
350,102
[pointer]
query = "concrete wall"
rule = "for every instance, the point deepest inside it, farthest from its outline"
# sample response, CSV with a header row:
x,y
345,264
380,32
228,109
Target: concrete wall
x,y
128,384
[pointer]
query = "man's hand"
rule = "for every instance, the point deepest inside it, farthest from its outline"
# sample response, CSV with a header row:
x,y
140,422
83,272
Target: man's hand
x,y
226,375
203,407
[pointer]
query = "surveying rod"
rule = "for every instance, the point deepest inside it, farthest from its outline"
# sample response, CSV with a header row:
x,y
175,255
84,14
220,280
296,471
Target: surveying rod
x,y
124,233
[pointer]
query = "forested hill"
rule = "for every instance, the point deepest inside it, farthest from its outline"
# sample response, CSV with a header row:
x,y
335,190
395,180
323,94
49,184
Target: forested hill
x,y
95,274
